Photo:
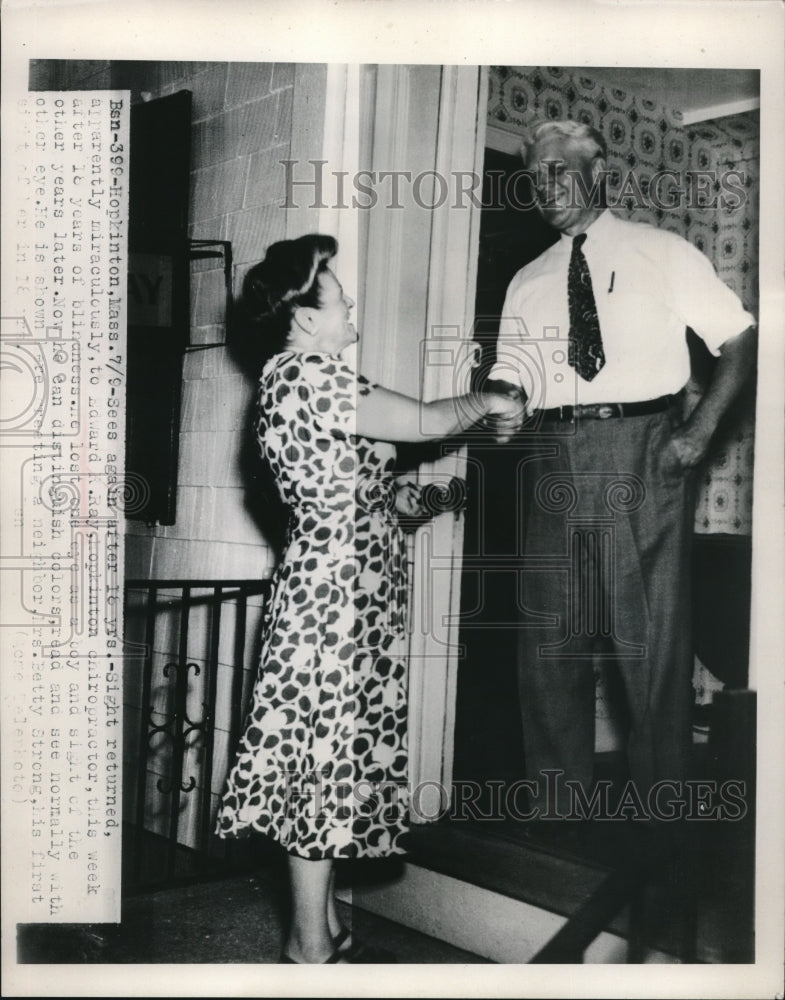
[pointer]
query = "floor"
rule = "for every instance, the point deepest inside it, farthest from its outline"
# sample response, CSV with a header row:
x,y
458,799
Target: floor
x,y
232,920
240,918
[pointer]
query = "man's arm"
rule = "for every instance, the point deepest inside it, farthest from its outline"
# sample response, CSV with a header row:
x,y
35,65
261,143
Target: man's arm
x,y
737,357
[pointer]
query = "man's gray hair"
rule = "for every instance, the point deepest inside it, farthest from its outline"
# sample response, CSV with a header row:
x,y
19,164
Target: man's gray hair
x,y
588,138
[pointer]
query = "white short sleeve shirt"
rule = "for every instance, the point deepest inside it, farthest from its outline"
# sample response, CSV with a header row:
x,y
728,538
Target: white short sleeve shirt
x,y
649,285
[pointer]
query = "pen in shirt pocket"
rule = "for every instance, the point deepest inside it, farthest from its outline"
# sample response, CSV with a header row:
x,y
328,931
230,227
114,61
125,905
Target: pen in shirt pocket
x,y
613,278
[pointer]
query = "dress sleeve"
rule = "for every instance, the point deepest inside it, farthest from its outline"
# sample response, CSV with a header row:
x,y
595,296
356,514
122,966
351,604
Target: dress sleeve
x,y
329,388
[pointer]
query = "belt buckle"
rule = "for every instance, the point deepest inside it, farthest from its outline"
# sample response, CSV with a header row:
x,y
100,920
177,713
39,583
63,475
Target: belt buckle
x,y
604,411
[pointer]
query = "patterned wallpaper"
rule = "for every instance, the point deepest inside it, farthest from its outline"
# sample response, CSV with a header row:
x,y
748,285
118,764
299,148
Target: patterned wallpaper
x,y
643,138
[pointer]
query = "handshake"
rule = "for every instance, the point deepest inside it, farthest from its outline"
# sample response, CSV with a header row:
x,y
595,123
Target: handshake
x,y
505,410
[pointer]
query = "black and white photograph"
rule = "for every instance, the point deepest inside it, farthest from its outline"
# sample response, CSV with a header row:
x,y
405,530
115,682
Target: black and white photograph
x,y
392,449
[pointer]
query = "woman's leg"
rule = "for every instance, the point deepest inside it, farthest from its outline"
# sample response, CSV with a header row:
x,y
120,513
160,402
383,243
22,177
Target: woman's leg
x,y
333,920
310,939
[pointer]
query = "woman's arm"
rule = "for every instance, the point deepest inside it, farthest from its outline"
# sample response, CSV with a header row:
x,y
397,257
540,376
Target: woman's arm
x,y
390,416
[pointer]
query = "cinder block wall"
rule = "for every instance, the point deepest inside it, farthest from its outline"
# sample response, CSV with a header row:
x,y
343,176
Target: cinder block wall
x,y
242,123
241,127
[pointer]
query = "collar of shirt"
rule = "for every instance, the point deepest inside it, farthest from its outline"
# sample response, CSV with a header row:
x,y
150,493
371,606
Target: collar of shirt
x,y
649,285
598,230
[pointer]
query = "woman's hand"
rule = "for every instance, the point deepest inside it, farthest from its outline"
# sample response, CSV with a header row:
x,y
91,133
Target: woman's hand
x,y
507,412
407,498
390,416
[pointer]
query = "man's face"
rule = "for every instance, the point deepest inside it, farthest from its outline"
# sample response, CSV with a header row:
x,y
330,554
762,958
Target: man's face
x,y
558,165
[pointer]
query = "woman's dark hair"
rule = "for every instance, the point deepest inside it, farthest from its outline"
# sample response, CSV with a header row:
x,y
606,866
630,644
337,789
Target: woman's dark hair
x,y
272,290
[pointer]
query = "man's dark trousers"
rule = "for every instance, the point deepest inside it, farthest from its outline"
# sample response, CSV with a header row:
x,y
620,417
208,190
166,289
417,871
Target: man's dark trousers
x,y
607,526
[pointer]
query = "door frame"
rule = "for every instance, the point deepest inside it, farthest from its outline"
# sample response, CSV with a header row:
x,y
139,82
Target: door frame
x,y
448,240
416,282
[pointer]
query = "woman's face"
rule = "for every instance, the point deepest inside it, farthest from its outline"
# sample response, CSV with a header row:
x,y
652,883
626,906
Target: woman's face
x,y
335,331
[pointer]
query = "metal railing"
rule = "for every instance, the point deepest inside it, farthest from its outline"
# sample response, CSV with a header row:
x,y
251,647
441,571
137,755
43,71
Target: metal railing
x,y
177,772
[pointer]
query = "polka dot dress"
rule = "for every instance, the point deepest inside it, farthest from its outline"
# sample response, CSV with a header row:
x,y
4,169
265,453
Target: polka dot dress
x,y
322,765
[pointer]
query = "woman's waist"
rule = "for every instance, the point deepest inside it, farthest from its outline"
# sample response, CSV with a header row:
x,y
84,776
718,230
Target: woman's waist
x,y
374,500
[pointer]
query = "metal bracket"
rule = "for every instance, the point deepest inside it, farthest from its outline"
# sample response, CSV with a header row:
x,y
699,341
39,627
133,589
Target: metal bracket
x,y
206,250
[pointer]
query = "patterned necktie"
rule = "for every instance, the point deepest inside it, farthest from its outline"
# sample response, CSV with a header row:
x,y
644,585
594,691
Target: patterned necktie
x,y
585,348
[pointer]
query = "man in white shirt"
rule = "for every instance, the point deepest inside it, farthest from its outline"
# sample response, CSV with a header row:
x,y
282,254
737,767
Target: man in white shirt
x,y
594,333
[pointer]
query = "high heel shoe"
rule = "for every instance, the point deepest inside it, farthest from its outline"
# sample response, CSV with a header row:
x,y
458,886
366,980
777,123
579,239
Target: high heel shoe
x,y
350,951
358,952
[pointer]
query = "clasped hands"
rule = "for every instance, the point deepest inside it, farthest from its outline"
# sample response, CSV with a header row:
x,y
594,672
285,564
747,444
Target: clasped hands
x,y
505,411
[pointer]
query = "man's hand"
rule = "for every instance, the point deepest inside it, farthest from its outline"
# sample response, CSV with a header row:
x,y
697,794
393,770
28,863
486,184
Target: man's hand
x,y
737,357
507,409
690,446
507,427
736,361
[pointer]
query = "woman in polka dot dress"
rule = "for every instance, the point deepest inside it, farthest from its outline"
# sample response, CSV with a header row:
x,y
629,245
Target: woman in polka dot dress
x,y
322,765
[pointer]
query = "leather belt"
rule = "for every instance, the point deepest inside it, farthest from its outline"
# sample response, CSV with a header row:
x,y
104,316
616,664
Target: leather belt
x,y
604,411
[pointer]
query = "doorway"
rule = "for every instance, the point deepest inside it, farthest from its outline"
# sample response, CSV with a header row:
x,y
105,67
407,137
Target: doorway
x,y
488,735
512,234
